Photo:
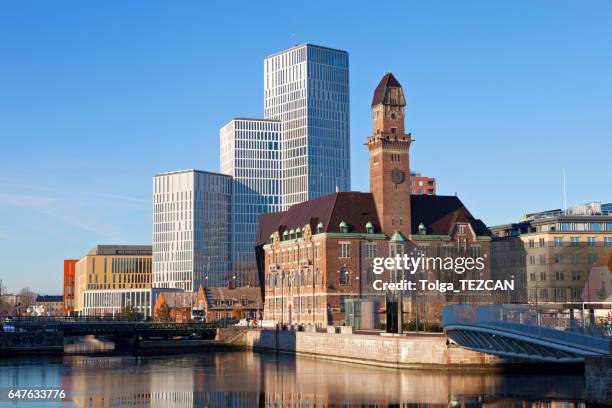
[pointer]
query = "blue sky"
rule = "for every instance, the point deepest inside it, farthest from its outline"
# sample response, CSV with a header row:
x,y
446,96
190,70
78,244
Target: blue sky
x,y
97,97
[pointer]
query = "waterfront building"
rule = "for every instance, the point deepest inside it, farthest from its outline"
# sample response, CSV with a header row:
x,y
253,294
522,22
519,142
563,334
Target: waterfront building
x,y
191,229
214,303
606,209
47,305
307,88
316,255
552,251
69,274
420,184
111,278
237,303
250,154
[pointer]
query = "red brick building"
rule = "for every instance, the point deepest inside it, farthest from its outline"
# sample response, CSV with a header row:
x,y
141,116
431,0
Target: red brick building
x,y
69,275
422,185
319,253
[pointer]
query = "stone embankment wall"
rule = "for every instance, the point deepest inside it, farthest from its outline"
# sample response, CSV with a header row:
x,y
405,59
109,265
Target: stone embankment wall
x,y
598,378
422,351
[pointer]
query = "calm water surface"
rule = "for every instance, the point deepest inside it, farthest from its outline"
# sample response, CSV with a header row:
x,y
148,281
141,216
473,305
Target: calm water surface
x,y
246,379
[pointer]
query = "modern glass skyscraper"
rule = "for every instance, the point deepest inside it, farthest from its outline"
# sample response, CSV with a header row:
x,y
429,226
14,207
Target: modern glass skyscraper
x,y
191,229
250,153
307,88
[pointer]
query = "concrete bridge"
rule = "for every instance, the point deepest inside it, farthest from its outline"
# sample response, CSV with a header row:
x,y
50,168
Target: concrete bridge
x,y
521,332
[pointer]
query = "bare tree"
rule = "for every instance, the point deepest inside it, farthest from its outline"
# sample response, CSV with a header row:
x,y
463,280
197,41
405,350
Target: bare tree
x,y
26,297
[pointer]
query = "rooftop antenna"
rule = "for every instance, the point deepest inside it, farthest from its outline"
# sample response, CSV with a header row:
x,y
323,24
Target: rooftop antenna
x,y
564,194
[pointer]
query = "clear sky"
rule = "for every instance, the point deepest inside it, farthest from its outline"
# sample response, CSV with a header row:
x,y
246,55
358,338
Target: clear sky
x,y
97,97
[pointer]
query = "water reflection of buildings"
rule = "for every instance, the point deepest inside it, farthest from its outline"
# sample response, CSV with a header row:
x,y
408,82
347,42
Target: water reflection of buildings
x,y
244,379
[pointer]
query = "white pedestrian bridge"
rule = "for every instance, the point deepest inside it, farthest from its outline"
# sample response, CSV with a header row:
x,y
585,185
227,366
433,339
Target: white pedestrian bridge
x,y
527,332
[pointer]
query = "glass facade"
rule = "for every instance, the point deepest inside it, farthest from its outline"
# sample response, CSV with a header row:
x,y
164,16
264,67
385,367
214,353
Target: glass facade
x,y
250,153
307,89
191,229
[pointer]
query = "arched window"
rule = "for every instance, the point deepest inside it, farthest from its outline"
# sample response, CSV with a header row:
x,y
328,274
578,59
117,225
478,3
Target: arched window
x,y
344,276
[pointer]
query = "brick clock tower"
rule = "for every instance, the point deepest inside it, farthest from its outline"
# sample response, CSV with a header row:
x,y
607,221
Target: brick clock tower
x,y
389,160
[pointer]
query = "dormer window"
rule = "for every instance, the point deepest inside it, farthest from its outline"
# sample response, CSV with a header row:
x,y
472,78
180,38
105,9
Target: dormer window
x,y
285,235
298,232
422,229
343,227
369,228
319,228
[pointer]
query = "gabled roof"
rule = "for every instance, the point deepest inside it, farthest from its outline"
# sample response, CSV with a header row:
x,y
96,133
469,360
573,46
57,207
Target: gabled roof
x,y
251,295
354,208
437,213
380,93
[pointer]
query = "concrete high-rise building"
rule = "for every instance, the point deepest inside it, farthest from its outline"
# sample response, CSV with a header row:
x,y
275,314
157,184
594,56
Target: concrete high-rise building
x,y
250,153
307,88
191,229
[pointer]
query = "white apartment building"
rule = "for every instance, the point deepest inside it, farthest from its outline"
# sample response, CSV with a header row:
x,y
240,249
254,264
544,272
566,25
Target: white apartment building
x,y
191,229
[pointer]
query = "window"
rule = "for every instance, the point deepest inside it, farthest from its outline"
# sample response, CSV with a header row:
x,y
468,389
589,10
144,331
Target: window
x,y
317,251
559,276
592,258
542,276
576,293
371,250
544,294
575,259
461,229
559,258
559,293
531,243
542,259
318,277
345,250
608,241
532,276
531,259
558,241
591,241
344,275
576,276
575,240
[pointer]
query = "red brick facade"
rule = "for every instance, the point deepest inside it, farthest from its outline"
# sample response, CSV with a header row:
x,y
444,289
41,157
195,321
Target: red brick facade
x,y
318,253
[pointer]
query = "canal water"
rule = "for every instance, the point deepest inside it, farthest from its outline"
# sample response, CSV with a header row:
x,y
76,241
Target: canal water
x,y
247,379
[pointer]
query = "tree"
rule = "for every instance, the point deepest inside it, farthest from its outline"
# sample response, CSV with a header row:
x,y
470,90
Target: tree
x,y
26,297
163,312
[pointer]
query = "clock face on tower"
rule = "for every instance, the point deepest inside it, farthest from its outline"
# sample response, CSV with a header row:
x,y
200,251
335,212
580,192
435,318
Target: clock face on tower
x,y
397,176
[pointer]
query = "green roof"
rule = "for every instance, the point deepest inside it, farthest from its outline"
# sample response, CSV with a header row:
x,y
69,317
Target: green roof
x,y
397,237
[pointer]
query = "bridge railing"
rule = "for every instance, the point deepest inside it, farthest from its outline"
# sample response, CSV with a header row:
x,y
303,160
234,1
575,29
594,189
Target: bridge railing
x,y
528,315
